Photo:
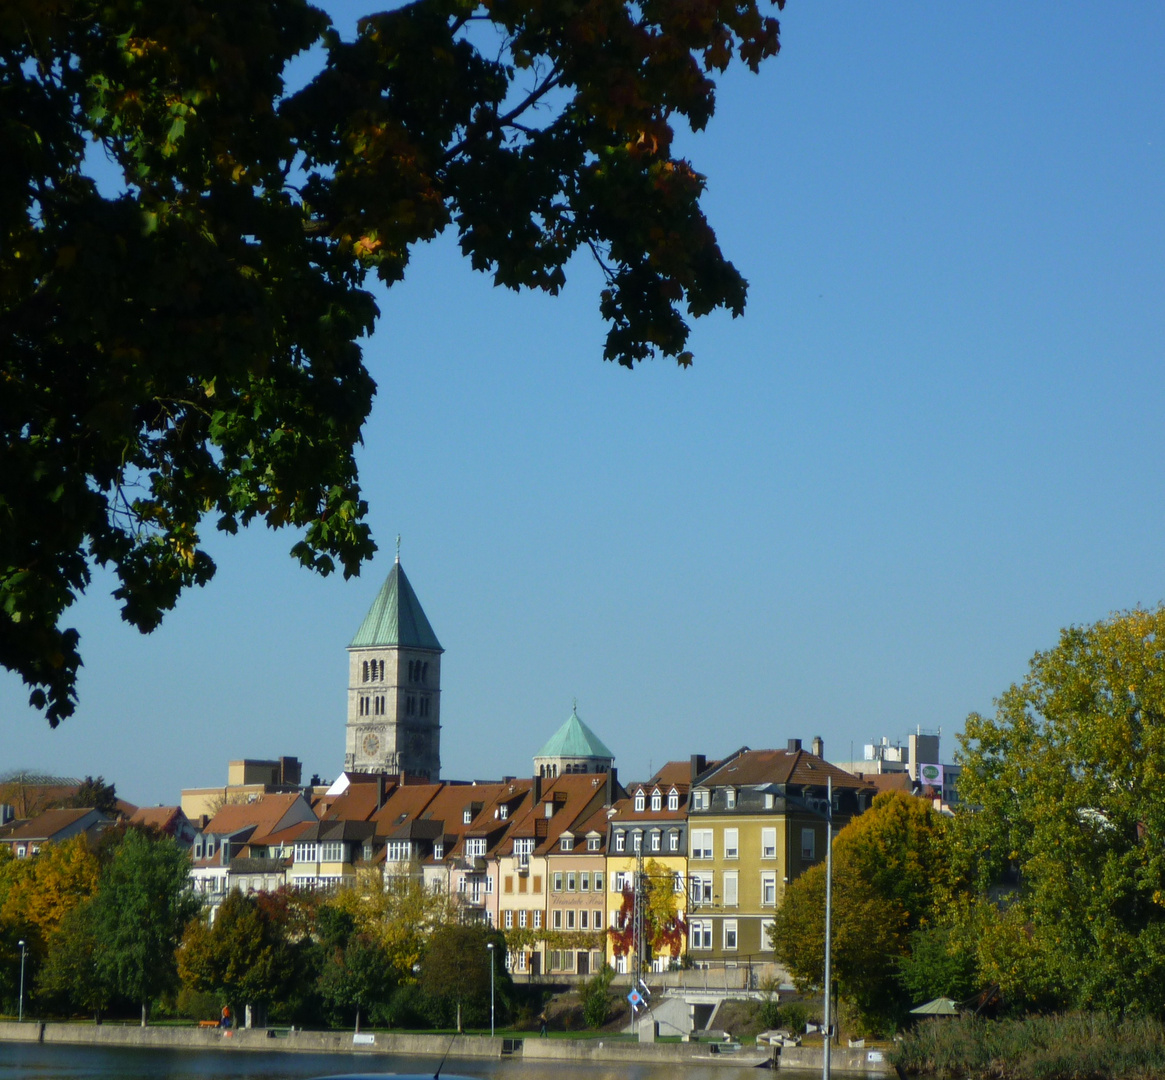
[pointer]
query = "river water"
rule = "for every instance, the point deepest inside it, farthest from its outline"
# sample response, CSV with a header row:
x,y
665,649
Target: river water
x,y
31,1061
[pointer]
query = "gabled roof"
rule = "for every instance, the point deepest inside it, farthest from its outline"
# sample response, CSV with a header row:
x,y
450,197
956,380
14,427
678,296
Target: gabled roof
x,y
47,825
575,739
755,767
162,818
396,618
263,816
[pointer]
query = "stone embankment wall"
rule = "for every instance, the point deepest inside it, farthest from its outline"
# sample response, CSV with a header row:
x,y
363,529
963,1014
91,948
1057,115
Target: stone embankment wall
x,y
844,1060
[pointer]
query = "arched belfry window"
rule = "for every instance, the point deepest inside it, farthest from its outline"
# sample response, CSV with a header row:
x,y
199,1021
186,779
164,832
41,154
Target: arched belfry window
x,y
381,665
425,672
365,679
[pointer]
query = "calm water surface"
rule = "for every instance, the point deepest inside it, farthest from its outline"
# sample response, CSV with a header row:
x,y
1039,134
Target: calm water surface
x,y
21,1061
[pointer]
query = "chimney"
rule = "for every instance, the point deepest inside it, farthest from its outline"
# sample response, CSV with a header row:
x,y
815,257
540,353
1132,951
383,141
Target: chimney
x,y
699,764
379,790
537,793
612,782
794,745
818,746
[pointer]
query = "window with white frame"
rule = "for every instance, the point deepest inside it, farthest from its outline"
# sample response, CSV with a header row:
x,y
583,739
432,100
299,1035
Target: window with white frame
x,y
594,843
509,919
570,881
701,889
731,889
398,851
701,843
557,881
305,852
597,917
768,843
636,840
673,840
770,801
656,800
332,851
438,850
475,847
598,881
730,798
523,849
556,919
730,935
678,882
639,802
620,840
732,843
566,843
584,881
522,919
467,817
489,883
768,889
655,838
701,799
504,811
537,920
700,934
584,919
620,880
673,800
570,918
808,844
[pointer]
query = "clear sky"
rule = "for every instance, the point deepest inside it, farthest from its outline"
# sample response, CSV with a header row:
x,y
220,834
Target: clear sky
x,y
934,439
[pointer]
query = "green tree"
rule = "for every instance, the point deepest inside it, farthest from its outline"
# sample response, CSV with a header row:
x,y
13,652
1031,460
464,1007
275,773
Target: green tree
x,y
1065,841
244,957
455,973
356,977
71,975
182,341
890,868
95,793
142,906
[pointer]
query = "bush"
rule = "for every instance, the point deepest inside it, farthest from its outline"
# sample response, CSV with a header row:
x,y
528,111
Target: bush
x,y
794,1016
596,998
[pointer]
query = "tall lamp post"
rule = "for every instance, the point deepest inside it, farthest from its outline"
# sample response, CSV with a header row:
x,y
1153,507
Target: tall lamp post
x,y
490,946
20,1015
825,1063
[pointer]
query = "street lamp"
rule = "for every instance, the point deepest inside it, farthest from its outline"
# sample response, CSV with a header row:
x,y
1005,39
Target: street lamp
x,y
490,945
20,1015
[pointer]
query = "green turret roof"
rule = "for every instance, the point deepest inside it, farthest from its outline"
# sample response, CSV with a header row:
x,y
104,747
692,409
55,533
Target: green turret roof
x,y
396,618
574,739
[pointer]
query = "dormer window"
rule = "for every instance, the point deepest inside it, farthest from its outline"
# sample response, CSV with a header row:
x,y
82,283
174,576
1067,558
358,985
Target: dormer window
x,y
566,843
730,798
639,802
656,800
594,843
673,800
700,800
439,850
504,811
209,846
620,840
467,817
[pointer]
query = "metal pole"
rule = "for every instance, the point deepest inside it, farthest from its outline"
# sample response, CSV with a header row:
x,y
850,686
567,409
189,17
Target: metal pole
x,y
828,905
20,1016
490,946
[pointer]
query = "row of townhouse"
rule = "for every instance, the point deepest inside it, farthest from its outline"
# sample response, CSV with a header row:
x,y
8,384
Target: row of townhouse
x,y
549,859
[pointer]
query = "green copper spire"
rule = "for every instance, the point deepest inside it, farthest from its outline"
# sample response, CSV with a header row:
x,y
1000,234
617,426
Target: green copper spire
x,y
396,618
574,739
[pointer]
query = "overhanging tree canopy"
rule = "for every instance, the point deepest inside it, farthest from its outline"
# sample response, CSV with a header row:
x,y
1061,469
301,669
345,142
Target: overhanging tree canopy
x,y
187,345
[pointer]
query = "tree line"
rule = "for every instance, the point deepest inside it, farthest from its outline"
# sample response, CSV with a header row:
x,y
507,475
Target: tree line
x,y
1046,889
113,928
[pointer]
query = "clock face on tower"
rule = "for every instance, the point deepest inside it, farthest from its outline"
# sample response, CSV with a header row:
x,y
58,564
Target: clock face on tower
x,y
371,744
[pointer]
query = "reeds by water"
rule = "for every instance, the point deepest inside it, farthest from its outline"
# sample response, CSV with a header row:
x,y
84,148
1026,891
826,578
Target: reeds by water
x,y
1066,1046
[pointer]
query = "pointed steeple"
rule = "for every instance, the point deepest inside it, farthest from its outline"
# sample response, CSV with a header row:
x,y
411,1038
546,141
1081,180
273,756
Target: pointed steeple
x,y
396,618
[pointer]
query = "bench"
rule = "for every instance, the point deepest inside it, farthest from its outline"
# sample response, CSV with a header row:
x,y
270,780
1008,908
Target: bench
x,y
208,1023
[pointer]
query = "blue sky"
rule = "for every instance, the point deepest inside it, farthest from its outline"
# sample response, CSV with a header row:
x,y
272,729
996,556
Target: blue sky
x,y
933,439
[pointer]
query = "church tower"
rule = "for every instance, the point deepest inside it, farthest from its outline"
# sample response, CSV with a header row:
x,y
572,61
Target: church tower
x,y
394,686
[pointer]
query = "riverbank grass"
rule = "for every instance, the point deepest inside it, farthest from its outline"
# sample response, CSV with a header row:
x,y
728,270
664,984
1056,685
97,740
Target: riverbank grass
x,y
1071,1046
